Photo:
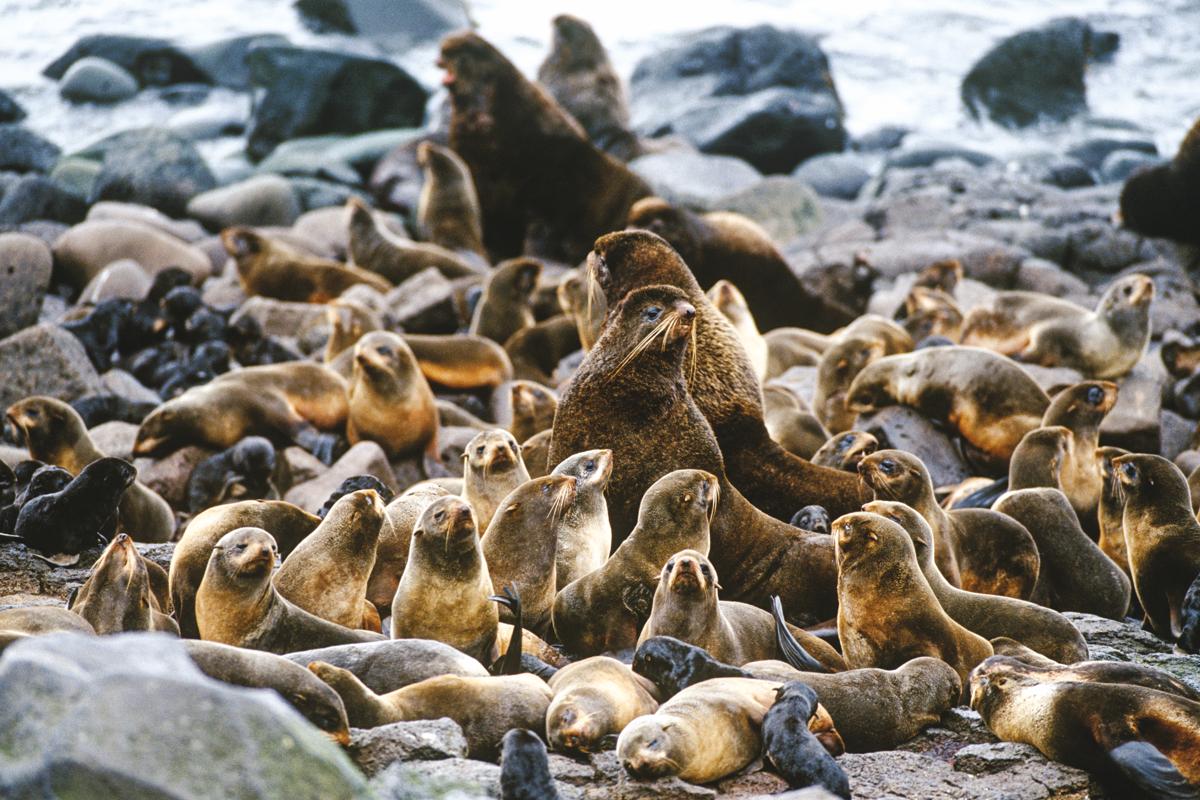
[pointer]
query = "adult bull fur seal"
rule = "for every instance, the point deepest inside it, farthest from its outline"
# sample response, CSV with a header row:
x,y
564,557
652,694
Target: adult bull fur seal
x,y
273,269
887,614
722,383
448,208
593,699
1039,628
118,596
630,395
390,402
1162,537
515,139
238,604
55,434
492,467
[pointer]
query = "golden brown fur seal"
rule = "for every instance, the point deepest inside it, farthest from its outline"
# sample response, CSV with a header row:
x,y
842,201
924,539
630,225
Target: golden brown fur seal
x,y
237,603
986,397
977,549
584,532
516,140
492,467
687,607
486,708
729,301
1104,343
328,571
390,402
391,259
271,268
1162,537
988,615
395,536
847,352
448,209
1045,670
443,593
630,395
505,305
1082,408
35,620
722,384
530,409
790,421
604,610
118,595
846,450
1111,512
55,434
887,614
348,322
593,699
461,362
791,347
929,312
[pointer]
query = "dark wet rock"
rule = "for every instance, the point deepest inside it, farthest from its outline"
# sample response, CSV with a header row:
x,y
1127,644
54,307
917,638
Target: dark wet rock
x,y
424,303
10,109
929,153
45,359
888,137
97,80
762,94
902,428
25,266
840,175
1036,75
395,24
224,62
153,61
1093,152
22,150
150,166
310,92
1064,172
1120,164
261,200
684,177
374,749
1124,636
36,197
69,697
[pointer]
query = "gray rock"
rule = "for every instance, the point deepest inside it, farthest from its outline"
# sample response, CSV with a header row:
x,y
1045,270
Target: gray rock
x,y
25,266
811,793
1133,422
185,229
120,382
22,150
899,774
1184,667
1052,378
123,279
902,428
840,175
395,25
10,109
261,200
424,304
1064,172
784,206
45,359
393,664
1040,275
36,197
926,154
375,749
316,194
151,166
75,176
283,318
694,179
408,782
1119,165
224,61
115,438
153,61
97,80
887,137
212,121
1124,636
310,91
309,157
1176,434
66,698
364,458
86,249
168,476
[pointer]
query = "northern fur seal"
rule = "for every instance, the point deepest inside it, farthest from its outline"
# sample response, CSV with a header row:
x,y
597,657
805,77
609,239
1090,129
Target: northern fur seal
x,y
506,305
1161,201
1081,409
390,402
448,208
729,301
525,767
393,259
791,747
492,467
118,595
271,268
584,533
594,699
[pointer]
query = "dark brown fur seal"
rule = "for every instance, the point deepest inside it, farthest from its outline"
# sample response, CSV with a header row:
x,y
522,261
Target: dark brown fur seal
x,y
887,614
273,269
237,603
1164,201
391,259
593,699
1162,537
536,351
723,385
1039,628
448,209
525,407
1038,460
630,395
1111,512
118,596
1047,670
532,163
390,402
505,306
977,549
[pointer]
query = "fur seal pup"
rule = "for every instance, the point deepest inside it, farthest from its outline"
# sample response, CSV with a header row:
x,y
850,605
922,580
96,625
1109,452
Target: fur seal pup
x,y
521,544
630,395
516,140
506,304
887,614
581,299
978,549
725,245
271,268
811,518
303,691
536,454
297,402
791,747
393,258
55,434
390,402
1139,741
64,523
1110,514
327,573
1081,409
726,298
595,699
245,471
461,362
485,707
1037,461
448,209
525,768
846,450
986,397
1075,575
928,312
444,591
604,610
721,382
237,603
1103,344
1162,538
584,533
492,468
579,76
687,607
289,524
839,366
702,734
117,595
1045,631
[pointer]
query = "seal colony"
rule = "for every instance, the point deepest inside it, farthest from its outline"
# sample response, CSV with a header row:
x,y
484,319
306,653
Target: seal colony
x,y
572,465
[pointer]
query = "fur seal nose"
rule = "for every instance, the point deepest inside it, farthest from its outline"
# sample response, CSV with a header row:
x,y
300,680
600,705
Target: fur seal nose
x,y
687,311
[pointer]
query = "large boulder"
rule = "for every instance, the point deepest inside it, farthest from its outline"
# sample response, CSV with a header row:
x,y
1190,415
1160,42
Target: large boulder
x,y
261,200
1036,75
86,249
687,178
224,61
762,94
310,91
36,197
45,359
151,166
97,80
25,265
393,24
152,61
22,150
68,727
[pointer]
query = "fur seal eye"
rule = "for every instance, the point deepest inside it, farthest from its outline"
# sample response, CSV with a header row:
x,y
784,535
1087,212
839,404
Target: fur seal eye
x,y
652,313
670,566
1130,471
589,465
479,450
1095,395
546,489
386,352
439,516
888,467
